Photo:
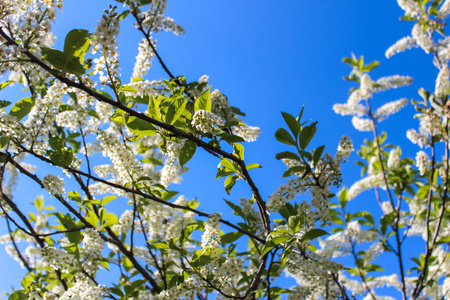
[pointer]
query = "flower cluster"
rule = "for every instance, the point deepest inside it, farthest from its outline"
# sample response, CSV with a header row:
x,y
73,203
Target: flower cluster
x,y
206,122
123,159
91,250
54,184
105,37
211,236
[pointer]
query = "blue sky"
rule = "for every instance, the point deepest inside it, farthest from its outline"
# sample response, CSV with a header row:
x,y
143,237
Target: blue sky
x,y
268,57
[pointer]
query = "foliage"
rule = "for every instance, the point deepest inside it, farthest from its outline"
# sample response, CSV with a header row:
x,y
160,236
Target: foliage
x,y
162,247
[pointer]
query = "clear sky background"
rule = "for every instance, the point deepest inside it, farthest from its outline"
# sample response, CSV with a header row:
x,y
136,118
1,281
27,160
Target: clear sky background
x,y
267,57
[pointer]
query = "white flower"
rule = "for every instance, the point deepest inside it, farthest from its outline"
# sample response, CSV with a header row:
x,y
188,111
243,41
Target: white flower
x,y
362,124
365,184
206,121
394,159
410,7
418,138
54,184
366,88
389,108
248,133
392,82
421,37
442,83
444,11
211,236
423,162
143,59
401,45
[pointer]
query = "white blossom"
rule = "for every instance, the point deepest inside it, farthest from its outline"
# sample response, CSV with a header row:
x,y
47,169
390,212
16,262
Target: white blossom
x,y
361,124
393,162
54,184
401,45
410,7
206,121
423,162
389,108
421,37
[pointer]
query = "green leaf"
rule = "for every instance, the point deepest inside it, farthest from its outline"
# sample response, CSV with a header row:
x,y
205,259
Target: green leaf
x,y
75,196
123,15
186,233
175,110
140,127
4,103
73,66
253,166
237,111
109,219
307,134
293,170
108,199
230,138
54,57
56,144
313,234
187,152
371,66
267,247
159,246
153,108
238,151
22,108
229,183
5,84
62,158
76,44
343,197
230,237
228,165
203,101
39,203
280,239
293,124
126,88
18,295
284,137
288,155
317,154
294,223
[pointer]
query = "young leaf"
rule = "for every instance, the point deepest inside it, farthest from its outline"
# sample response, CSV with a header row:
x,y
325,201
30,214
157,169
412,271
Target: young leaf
x,y
317,154
229,183
62,158
18,295
284,137
293,170
140,127
313,234
238,151
54,57
293,124
187,152
307,134
203,101
56,143
22,108
175,110
288,155
76,44
153,108
5,84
